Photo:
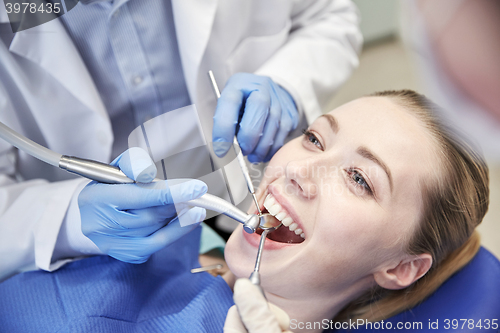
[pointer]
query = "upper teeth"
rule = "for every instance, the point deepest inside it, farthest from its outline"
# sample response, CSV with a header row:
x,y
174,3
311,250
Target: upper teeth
x,y
281,214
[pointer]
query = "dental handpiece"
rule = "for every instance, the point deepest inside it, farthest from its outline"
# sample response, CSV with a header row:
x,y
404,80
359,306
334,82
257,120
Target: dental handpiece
x,y
109,174
239,155
105,173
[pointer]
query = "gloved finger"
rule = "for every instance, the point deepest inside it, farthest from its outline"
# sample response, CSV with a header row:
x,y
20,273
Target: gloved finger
x,y
171,232
269,132
151,216
281,135
133,196
233,323
135,232
281,316
254,119
226,119
288,105
136,164
253,308
137,250
288,122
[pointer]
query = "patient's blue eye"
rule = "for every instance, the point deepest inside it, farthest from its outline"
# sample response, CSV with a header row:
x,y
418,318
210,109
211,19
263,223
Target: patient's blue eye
x,y
311,138
359,180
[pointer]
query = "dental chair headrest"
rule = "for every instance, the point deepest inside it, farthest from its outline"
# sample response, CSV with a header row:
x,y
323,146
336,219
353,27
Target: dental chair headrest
x,y
473,293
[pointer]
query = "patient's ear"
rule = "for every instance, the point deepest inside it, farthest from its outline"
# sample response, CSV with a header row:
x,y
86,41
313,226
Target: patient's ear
x,y
405,273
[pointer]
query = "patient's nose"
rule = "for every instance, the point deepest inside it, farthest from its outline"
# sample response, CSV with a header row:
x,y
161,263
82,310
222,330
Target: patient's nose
x,y
301,178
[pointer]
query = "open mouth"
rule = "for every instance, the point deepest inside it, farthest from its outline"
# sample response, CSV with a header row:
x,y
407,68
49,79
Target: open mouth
x,y
289,232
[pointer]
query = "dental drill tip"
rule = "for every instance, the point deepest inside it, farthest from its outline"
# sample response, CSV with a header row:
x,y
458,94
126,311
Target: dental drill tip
x,y
251,225
256,203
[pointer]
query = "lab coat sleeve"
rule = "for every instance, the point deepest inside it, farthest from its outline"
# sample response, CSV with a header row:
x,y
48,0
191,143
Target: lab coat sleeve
x,y
319,55
31,214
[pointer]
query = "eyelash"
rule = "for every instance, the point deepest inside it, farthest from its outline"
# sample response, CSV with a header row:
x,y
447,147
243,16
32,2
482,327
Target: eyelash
x,y
310,135
365,187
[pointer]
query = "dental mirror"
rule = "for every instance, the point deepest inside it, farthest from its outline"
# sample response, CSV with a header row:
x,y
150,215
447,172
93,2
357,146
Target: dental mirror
x,y
269,222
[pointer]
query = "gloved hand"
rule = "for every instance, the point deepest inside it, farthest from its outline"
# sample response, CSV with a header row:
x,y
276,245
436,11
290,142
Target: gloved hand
x,y
268,115
252,313
132,221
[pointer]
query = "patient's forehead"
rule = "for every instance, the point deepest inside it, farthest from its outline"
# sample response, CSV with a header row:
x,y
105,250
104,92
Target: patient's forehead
x,y
383,119
394,134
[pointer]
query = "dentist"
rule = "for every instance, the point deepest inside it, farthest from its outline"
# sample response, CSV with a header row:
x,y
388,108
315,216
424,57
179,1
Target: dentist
x,y
79,84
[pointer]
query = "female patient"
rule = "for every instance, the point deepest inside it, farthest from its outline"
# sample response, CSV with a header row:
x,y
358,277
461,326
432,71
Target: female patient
x,y
376,198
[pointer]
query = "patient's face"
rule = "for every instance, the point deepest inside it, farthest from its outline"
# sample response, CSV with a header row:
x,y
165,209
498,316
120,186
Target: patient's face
x,y
352,185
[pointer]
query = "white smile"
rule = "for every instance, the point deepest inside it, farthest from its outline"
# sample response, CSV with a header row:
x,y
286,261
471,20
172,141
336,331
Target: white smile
x,y
275,209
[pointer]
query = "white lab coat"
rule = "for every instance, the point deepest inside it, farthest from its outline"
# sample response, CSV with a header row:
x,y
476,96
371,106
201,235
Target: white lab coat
x,y
47,94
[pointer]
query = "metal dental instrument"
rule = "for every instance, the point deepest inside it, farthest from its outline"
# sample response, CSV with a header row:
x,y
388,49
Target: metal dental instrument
x,y
269,226
109,174
239,156
206,268
212,202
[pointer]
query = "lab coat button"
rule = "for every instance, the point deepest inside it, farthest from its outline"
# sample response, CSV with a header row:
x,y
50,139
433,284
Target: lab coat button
x,y
137,80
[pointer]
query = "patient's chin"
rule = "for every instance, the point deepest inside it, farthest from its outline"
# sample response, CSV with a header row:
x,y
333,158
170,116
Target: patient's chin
x,y
239,261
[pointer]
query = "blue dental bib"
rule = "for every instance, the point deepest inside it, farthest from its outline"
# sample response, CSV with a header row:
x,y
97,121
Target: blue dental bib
x,y
101,294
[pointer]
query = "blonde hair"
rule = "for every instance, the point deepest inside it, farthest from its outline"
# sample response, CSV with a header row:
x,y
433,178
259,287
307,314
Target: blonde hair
x,y
453,206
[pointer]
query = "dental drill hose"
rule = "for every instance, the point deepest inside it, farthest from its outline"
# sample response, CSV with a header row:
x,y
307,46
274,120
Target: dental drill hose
x,y
109,174
100,172
32,148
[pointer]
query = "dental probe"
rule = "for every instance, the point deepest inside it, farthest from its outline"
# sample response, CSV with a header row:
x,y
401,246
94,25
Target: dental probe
x,y
239,156
105,173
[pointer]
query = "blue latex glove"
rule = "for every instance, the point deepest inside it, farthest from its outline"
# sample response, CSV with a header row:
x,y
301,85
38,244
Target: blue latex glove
x,y
132,221
268,115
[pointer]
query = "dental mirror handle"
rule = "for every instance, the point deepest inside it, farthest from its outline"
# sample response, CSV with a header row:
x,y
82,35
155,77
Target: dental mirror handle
x,y
255,279
255,276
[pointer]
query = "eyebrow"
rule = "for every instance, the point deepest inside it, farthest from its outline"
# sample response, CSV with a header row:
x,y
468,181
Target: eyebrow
x,y
333,122
367,153
363,151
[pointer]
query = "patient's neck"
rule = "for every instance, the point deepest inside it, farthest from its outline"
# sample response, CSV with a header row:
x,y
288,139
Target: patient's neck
x,y
312,311
311,315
